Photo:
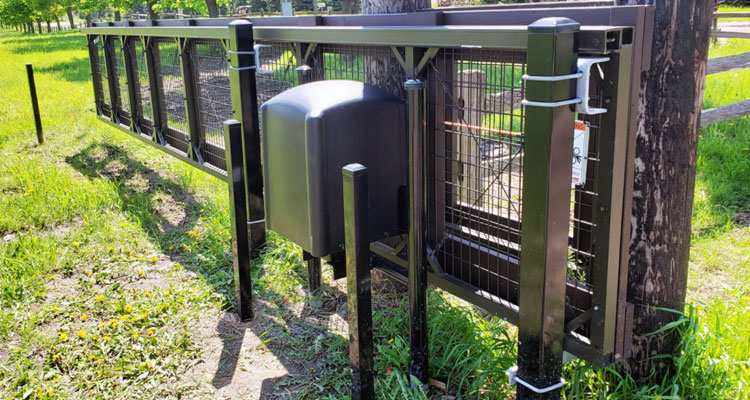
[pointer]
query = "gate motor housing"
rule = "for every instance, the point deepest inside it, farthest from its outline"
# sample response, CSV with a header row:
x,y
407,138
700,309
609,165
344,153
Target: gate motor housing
x,y
309,133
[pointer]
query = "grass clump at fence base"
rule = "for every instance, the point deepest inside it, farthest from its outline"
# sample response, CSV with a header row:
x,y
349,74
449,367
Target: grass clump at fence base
x,y
115,263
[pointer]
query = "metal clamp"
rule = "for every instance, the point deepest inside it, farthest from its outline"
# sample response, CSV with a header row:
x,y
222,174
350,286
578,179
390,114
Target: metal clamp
x,y
513,378
583,83
256,49
241,52
259,221
242,68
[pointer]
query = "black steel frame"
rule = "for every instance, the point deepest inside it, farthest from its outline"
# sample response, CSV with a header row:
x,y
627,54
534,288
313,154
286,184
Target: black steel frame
x,y
591,323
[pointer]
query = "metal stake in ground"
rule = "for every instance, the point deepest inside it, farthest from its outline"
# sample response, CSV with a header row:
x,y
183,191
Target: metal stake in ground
x,y
359,302
35,104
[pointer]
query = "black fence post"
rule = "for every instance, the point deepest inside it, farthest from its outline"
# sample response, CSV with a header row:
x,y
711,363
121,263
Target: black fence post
x,y
35,104
417,273
238,211
548,144
245,106
314,276
358,297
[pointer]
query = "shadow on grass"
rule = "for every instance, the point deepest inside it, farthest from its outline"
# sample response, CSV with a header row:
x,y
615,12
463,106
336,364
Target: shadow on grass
x,y
166,211
73,70
57,41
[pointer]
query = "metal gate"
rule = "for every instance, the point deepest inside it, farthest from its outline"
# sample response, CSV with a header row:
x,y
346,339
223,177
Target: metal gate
x,y
496,218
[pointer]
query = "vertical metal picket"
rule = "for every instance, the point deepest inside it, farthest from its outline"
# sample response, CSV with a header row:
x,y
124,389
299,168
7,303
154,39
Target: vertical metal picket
x,y
238,216
114,93
153,66
245,106
358,296
131,74
548,143
418,366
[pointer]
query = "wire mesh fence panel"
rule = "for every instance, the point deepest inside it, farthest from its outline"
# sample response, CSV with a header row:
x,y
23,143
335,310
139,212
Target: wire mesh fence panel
x,y
374,65
215,99
584,201
102,65
276,71
121,78
476,166
146,111
172,89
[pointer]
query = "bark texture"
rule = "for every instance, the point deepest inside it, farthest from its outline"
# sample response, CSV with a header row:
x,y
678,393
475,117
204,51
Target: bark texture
x,y
665,158
392,6
70,18
213,9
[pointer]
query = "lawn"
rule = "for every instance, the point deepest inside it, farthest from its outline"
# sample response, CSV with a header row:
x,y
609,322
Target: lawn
x,y
116,281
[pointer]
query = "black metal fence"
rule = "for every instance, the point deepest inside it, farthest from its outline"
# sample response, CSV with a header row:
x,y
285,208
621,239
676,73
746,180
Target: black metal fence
x,y
174,86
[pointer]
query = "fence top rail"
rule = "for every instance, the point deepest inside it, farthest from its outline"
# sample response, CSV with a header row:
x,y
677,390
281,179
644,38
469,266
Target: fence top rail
x,y
510,37
193,32
732,15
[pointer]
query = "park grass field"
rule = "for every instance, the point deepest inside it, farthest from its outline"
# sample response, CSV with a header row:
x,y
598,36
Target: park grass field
x,y
116,282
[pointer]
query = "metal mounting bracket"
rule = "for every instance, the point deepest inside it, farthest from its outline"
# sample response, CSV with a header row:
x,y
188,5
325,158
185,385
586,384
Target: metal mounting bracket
x,y
583,85
513,378
256,50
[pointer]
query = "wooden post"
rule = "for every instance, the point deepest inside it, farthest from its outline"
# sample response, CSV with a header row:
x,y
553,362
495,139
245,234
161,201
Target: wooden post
x,y
664,176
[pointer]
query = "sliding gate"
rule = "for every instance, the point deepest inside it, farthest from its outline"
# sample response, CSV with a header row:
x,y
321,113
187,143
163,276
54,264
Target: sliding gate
x,y
524,140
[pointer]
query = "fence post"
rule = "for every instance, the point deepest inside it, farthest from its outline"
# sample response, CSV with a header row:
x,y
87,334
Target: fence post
x,y
416,254
358,298
238,211
548,144
35,104
245,106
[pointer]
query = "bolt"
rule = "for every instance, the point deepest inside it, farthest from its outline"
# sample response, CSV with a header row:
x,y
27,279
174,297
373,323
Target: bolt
x,y
596,308
608,101
596,42
603,208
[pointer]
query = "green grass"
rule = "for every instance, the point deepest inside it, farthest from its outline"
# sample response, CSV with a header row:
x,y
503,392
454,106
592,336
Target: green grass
x,y
115,259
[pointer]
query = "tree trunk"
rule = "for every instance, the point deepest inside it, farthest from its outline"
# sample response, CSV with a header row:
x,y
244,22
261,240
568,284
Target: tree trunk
x,y
666,143
70,18
213,9
57,20
49,27
39,25
151,13
393,6
118,17
377,68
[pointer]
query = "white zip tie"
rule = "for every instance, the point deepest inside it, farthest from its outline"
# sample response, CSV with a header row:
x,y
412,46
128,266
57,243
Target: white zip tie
x,y
513,378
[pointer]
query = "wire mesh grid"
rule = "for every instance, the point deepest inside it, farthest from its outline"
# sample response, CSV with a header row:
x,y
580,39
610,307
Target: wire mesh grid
x,y
584,200
214,96
121,78
476,159
172,90
276,71
102,65
146,111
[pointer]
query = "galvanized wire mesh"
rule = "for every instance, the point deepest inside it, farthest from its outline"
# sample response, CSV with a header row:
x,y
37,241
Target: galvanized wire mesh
x,y
476,166
102,65
172,89
214,96
121,78
146,111
276,71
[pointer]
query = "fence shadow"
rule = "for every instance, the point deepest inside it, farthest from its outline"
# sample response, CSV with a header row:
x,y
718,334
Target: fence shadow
x,y
144,188
73,70
55,41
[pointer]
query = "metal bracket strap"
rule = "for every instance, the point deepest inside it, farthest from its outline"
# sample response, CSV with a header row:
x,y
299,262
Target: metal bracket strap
x,y
513,378
241,52
259,221
582,77
242,68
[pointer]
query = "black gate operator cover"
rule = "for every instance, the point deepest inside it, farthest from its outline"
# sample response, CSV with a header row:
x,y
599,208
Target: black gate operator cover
x,y
309,134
